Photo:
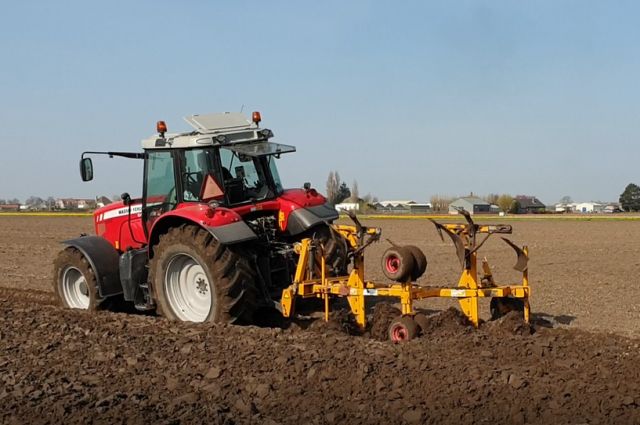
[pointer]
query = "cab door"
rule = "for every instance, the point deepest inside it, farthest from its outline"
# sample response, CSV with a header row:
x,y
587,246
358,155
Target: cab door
x,y
159,192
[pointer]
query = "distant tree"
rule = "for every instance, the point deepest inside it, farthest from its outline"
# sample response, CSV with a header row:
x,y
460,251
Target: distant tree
x,y
566,199
333,185
34,201
630,198
13,201
2,202
492,198
515,207
51,203
355,193
505,202
116,198
440,203
343,193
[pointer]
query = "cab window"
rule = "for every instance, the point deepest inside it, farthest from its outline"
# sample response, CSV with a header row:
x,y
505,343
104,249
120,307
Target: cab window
x,y
160,183
197,163
244,177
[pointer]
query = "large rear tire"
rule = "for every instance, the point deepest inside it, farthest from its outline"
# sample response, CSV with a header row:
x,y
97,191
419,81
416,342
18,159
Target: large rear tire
x,y
74,281
197,279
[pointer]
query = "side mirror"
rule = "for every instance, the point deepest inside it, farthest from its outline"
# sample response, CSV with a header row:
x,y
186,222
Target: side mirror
x,y
86,169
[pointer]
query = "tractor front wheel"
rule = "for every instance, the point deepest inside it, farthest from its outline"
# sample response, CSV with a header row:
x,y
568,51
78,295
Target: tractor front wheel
x,y
74,281
197,279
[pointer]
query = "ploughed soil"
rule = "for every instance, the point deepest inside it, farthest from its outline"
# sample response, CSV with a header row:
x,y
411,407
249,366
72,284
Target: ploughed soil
x,y
576,364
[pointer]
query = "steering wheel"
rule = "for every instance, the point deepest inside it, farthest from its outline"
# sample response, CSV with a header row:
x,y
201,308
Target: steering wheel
x,y
168,203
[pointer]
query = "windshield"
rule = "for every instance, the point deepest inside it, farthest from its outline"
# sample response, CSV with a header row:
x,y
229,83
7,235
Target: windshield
x,y
275,175
242,173
245,177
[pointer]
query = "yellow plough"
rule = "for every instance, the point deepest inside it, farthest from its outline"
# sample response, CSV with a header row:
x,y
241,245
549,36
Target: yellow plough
x,y
405,264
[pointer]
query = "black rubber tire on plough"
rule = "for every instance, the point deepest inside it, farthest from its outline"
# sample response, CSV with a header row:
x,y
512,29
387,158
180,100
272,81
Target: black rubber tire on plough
x,y
501,306
403,329
398,263
420,261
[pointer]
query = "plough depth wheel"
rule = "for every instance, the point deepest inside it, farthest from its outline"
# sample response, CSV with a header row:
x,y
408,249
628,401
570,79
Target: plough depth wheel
x,y
398,263
420,261
403,329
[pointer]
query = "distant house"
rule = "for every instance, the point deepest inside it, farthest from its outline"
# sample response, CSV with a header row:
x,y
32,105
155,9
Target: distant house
x,y
398,207
529,205
563,207
75,204
472,204
402,207
612,208
9,207
589,207
347,206
418,208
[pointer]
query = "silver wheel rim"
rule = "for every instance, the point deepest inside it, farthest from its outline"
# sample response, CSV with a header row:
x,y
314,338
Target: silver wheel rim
x,y
188,289
75,289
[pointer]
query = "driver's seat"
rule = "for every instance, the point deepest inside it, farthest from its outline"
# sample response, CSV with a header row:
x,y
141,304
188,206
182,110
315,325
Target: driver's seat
x,y
234,190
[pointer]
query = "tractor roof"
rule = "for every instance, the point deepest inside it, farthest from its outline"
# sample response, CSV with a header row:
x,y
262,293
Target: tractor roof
x,y
211,129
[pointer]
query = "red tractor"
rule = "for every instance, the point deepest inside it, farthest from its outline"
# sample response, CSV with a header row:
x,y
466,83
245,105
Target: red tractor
x,y
211,239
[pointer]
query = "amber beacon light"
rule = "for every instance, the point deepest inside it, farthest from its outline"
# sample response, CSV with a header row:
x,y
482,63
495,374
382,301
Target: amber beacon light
x,y
161,128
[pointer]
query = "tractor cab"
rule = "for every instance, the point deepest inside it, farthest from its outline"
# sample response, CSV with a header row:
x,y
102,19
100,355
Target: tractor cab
x,y
227,159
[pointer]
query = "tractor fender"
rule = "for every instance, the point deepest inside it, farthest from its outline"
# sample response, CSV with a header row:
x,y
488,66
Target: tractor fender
x,y
224,224
104,260
232,233
303,219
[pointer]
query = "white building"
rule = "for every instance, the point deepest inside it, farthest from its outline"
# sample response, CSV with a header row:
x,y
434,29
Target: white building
x,y
589,207
347,206
565,208
403,206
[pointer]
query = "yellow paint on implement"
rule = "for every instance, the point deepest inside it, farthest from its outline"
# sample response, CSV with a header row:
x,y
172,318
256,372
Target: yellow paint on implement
x,y
309,282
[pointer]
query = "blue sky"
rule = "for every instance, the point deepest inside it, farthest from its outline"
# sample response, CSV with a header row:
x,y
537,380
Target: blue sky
x,y
409,98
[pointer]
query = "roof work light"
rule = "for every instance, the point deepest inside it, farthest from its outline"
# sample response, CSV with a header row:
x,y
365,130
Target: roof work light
x,y
161,128
256,117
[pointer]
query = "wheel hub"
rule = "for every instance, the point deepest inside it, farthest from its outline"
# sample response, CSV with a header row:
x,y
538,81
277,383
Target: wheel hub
x,y
187,288
201,286
75,289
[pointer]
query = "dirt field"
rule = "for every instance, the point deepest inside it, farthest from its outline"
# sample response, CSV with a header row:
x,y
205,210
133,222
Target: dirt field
x,y
58,365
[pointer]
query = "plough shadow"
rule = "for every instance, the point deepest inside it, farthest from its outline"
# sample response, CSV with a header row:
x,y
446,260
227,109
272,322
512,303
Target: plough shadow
x,y
549,320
